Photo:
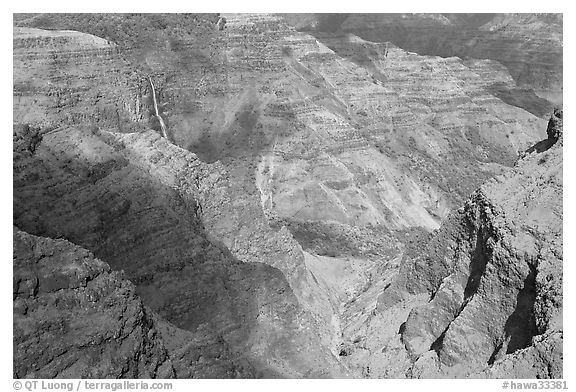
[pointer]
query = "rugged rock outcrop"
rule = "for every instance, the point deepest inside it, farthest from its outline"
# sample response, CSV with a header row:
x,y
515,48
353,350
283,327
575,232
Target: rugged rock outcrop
x,y
555,126
132,202
74,317
88,321
484,296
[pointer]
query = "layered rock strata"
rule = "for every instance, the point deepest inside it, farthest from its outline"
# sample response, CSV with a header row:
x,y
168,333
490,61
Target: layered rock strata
x,y
316,166
131,200
484,297
529,45
72,78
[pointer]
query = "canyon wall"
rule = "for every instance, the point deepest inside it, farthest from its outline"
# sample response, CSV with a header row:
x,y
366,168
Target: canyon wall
x,y
267,232
483,296
528,45
130,200
74,317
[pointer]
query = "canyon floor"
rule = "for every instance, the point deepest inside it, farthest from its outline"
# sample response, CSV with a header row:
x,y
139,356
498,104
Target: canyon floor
x,y
287,196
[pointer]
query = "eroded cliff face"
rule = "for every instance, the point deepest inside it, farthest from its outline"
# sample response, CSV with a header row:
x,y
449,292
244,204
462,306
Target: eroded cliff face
x,y
131,200
269,96
297,176
529,45
484,296
69,78
74,317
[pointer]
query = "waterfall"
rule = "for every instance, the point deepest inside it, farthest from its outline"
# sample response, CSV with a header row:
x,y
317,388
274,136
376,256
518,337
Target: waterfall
x,y
158,116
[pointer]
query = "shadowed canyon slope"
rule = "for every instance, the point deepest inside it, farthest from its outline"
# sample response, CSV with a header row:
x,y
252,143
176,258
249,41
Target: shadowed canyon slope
x,y
288,224
529,45
83,315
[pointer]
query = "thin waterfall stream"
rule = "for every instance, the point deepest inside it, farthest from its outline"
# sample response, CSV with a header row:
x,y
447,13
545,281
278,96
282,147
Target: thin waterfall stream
x,y
158,116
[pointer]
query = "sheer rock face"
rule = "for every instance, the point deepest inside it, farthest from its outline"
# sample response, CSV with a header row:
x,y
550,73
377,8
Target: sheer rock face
x,y
74,78
484,297
74,317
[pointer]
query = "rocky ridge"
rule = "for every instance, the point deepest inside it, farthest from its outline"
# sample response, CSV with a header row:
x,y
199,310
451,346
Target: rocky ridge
x,y
132,203
88,319
484,295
